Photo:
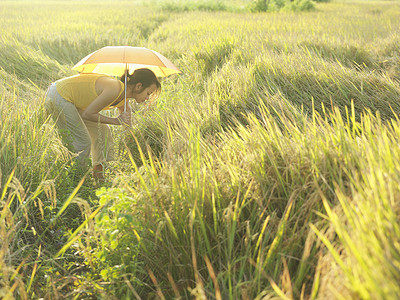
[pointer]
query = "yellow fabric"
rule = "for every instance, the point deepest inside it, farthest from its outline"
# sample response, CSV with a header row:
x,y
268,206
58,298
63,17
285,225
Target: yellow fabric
x,y
115,60
80,90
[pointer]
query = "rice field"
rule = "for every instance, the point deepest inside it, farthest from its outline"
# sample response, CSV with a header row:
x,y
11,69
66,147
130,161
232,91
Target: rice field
x,y
268,169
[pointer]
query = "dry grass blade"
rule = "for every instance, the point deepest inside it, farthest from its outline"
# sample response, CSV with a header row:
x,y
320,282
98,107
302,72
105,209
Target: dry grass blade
x,y
213,278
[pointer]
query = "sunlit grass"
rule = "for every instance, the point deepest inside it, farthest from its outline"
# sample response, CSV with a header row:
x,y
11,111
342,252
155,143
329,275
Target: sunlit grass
x,y
268,168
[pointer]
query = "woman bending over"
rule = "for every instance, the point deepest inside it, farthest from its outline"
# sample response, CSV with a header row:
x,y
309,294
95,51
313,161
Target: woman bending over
x,y
76,102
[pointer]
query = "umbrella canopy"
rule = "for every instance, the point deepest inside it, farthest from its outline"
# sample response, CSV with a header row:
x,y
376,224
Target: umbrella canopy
x,y
115,60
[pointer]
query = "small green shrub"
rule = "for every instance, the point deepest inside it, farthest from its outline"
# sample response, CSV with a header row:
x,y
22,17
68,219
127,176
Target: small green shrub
x,y
118,240
258,6
277,5
300,5
185,6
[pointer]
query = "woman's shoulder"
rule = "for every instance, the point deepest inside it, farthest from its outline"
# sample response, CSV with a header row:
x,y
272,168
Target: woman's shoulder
x,y
108,83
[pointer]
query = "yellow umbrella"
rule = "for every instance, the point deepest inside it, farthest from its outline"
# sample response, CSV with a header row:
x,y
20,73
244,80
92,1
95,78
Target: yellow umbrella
x,y
116,60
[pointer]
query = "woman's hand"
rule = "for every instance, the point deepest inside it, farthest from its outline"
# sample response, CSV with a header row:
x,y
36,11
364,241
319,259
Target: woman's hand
x,y
125,119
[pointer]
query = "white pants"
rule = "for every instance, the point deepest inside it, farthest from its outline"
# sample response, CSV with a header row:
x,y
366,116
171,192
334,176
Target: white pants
x,y
87,137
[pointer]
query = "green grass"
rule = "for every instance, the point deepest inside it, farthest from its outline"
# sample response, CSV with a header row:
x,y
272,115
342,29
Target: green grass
x,y
268,168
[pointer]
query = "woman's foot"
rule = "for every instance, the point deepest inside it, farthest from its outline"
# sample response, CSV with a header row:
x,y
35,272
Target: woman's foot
x,y
98,173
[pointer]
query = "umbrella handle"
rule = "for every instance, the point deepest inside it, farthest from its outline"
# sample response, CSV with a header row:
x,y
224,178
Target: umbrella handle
x,y
126,74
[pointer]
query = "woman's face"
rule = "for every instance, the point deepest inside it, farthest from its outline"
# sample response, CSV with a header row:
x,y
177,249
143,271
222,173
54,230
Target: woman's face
x,y
140,94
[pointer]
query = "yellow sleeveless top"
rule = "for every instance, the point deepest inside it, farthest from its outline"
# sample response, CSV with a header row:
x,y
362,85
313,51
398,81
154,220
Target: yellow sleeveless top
x,y
80,90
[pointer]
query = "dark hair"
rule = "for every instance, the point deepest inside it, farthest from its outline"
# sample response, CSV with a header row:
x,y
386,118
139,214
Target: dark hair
x,y
146,77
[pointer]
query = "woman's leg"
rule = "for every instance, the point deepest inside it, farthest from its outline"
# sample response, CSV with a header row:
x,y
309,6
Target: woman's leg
x,y
102,146
68,119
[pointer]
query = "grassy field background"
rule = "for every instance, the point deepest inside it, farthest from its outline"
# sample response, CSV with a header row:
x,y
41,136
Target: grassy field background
x,y
269,169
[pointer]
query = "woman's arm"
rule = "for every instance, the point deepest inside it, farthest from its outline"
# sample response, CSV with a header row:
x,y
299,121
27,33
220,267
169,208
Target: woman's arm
x,y
109,90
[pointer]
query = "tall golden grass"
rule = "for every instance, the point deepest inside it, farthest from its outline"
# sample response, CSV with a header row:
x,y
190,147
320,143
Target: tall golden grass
x,y
268,169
